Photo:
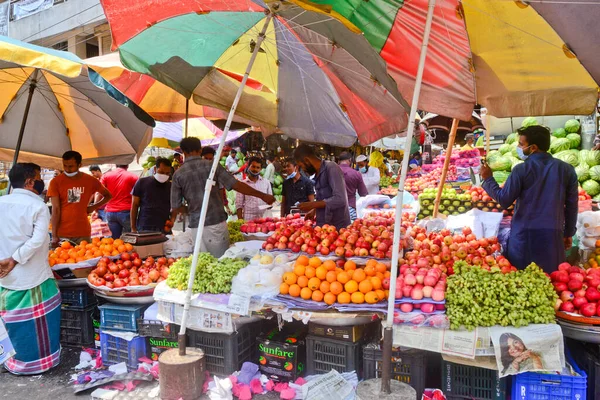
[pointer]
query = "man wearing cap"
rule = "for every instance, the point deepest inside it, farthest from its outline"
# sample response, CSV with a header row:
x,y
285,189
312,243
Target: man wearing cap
x,y
354,183
371,176
470,139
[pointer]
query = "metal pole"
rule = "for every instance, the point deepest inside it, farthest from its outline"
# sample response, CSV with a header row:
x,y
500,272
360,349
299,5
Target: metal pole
x,y
32,87
210,183
389,326
187,116
451,138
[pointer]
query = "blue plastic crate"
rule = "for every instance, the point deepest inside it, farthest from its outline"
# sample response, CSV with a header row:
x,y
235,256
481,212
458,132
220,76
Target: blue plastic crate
x,y
118,317
536,386
115,350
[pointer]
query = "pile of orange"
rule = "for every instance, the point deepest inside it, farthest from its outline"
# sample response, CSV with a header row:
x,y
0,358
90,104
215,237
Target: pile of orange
x,y
320,281
66,253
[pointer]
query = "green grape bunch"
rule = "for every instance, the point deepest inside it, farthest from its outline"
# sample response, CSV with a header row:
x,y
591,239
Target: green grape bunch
x,y
477,297
235,235
212,275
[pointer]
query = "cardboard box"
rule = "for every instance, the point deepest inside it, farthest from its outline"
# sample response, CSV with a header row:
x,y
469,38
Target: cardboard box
x,y
159,345
282,354
351,333
149,250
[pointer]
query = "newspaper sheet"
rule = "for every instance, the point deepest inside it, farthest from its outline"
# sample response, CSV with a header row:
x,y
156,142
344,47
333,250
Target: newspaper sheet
x,y
331,386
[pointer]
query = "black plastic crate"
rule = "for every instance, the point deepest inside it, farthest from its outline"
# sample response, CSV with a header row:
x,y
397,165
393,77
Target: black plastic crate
x,y
77,327
156,329
78,297
410,366
587,357
465,382
225,353
323,355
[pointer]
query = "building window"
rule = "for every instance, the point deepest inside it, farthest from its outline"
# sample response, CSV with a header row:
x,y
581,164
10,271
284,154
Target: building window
x,y
91,50
61,46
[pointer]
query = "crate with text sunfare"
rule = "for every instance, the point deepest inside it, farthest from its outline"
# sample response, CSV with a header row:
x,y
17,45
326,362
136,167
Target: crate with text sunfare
x,y
282,354
158,345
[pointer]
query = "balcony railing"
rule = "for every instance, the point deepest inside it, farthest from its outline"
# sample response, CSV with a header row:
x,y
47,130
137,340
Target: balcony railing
x,y
16,14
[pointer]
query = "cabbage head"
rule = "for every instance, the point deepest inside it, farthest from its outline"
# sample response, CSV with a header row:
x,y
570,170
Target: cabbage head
x,y
575,140
480,140
583,172
552,139
595,173
500,176
505,148
492,155
568,156
559,133
559,145
515,162
583,155
591,187
572,126
500,164
593,158
512,138
529,121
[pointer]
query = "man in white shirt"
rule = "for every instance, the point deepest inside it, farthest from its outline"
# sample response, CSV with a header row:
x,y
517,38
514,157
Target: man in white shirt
x,y
231,161
371,176
248,207
30,305
270,171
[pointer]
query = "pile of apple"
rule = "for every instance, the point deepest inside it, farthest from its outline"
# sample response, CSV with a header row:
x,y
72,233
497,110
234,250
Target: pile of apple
x,y
435,171
130,270
441,249
419,184
578,289
267,225
418,283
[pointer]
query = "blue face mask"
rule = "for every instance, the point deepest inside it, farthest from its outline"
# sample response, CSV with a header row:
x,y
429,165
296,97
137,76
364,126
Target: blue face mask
x,y
521,153
292,175
363,170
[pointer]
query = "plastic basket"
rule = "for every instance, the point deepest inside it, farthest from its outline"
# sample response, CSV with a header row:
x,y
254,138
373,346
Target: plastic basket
x,y
118,317
323,355
587,357
539,386
157,329
466,382
77,327
115,350
78,297
408,366
225,354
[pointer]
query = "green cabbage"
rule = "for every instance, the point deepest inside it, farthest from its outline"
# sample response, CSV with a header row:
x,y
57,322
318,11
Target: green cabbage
x,y
501,176
575,140
593,158
515,162
583,172
568,156
492,155
559,133
480,140
595,173
513,151
552,139
500,164
505,148
591,187
278,181
512,138
596,198
583,155
529,121
559,145
277,190
572,126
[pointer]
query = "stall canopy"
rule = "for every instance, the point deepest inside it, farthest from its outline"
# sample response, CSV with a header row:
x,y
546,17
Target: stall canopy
x,y
169,134
50,102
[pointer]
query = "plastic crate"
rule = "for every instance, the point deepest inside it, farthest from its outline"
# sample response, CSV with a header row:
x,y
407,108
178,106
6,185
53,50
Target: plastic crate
x,y
118,317
78,297
466,382
156,329
408,366
587,357
537,386
115,350
77,327
323,355
225,354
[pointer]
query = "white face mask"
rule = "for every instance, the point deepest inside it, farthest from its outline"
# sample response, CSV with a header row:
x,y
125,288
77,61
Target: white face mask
x,y
162,178
71,174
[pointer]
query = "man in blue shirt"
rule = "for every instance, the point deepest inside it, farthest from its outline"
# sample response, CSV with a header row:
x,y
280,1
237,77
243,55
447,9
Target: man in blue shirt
x,y
332,201
545,189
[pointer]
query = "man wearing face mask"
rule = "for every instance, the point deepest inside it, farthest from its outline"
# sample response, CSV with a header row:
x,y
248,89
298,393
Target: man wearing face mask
x,y
296,188
151,203
70,194
249,207
371,176
331,206
30,304
545,189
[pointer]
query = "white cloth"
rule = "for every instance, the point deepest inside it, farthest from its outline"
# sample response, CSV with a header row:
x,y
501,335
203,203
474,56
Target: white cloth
x,y
250,204
270,173
231,164
24,233
371,179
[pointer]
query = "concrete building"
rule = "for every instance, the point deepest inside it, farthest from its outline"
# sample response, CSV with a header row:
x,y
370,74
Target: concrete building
x,y
78,26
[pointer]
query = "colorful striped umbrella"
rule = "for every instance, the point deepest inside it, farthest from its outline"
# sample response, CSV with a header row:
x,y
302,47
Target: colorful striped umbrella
x,y
50,103
318,82
169,134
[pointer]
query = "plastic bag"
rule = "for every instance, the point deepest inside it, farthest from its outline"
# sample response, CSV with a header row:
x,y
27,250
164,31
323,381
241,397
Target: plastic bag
x,y
180,244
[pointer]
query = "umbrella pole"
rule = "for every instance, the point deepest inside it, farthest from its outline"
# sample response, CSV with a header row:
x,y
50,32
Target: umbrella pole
x,y
389,326
487,141
210,183
32,87
187,116
451,138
